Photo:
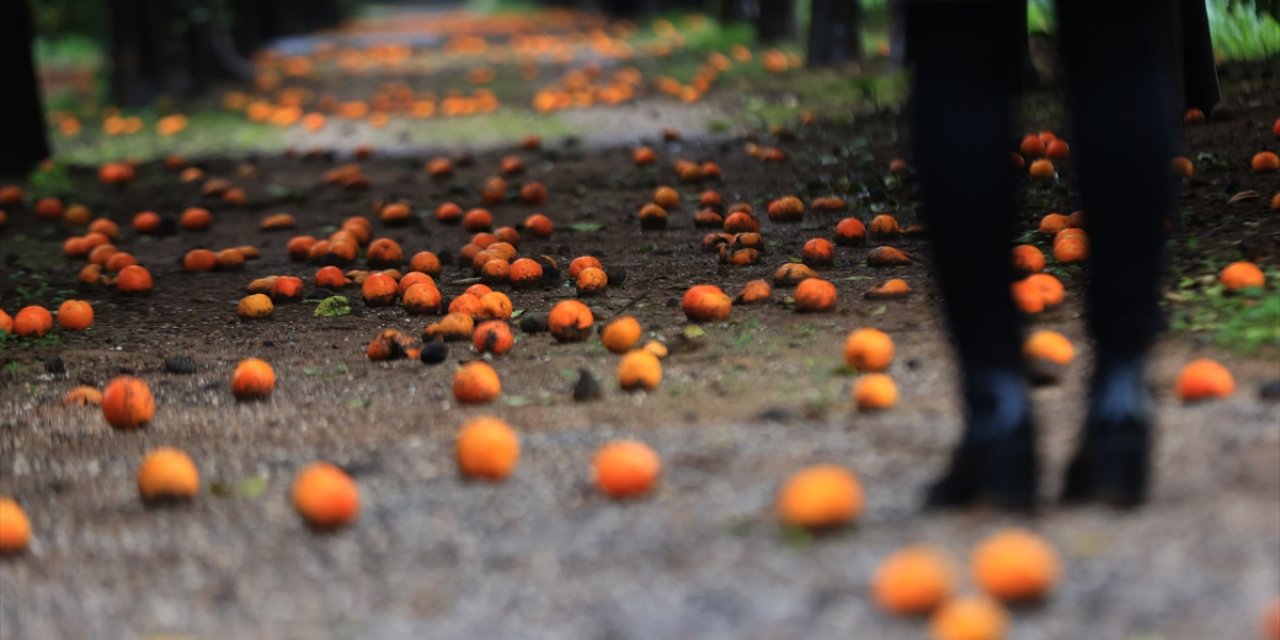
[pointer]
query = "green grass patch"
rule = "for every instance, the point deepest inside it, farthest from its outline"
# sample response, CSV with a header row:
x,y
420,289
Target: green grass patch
x,y
826,93
70,50
1244,321
1240,31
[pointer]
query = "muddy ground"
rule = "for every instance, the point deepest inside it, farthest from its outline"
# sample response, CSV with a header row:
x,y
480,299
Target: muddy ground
x,y
543,555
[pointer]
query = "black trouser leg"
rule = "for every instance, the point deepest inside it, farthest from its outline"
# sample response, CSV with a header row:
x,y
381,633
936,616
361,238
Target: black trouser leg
x,y
1120,65
1120,73
967,65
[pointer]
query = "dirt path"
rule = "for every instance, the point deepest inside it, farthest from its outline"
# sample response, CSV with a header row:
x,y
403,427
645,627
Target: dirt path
x,y
543,555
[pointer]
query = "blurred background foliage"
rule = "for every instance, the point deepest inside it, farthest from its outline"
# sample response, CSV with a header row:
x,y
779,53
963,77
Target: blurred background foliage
x,y
77,31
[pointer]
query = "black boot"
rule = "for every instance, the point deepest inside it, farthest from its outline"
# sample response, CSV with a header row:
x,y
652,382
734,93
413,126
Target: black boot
x,y
1113,464
995,461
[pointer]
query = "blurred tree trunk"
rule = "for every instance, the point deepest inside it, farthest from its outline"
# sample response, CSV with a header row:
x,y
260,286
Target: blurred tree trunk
x,y
1199,72
125,69
22,129
629,8
248,30
169,48
732,11
776,20
835,34
146,59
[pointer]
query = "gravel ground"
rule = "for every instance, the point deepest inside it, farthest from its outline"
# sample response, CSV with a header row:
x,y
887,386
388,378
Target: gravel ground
x,y
543,556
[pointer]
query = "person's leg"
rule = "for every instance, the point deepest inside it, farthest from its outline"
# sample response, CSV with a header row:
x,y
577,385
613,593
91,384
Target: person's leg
x,y
966,70
1120,65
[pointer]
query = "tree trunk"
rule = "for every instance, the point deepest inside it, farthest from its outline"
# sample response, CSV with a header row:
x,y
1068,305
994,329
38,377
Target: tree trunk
x,y
1199,73
776,20
22,126
835,35
125,69
732,11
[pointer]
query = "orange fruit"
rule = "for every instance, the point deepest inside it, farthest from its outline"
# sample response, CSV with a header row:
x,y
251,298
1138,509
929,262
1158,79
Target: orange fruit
x,y
196,219
875,391
969,618
1270,622
626,468
1182,167
1204,378
652,216
1053,223
815,294
330,277
1042,169
850,231
49,208
913,580
127,403
493,336
255,306
32,321
621,334
1015,565
706,302
1028,259
820,496
425,262
884,226
395,213
15,529
326,496
1048,345
167,474
1074,249
1241,275
379,289
286,288
868,350
892,288
818,252
476,383
538,226
1058,150
75,315
786,209
570,321
198,260
666,197
1032,146
133,279
592,281
76,215
422,297
384,253
755,292
449,213
83,396
578,264
1265,162
487,448
253,379
639,369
